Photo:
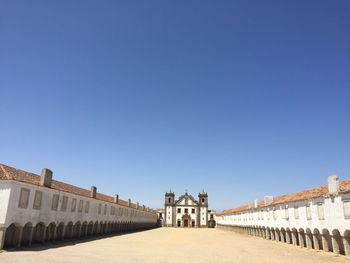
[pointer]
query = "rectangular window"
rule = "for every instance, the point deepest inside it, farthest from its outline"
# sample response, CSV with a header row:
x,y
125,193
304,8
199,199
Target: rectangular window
x,y
74,204
308,212
179,210
346,208
193,211
186,210
54,204
274,213
112,210
99,208
320,211
24,198
286,213
296,212
87,207
80,207
38,196
105,210
64,203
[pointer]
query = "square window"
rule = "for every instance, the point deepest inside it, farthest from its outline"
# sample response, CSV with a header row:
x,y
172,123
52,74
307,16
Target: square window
x,y
37,199
178,211
24,198
193,211
186,210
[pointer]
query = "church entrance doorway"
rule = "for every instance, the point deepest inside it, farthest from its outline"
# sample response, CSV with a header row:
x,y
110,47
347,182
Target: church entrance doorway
x,y
186,223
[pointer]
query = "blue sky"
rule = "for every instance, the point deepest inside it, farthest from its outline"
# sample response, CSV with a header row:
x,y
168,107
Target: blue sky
x,y
239,98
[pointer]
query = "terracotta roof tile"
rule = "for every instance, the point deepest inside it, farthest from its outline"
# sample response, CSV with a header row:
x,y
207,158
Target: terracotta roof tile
x,y
313,193
10,173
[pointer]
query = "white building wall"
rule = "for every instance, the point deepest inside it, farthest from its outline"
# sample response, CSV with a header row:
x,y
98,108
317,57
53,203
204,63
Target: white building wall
x,y
46,215
334,217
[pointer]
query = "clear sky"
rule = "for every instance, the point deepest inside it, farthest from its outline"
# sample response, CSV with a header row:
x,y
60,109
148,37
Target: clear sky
x,y
239,98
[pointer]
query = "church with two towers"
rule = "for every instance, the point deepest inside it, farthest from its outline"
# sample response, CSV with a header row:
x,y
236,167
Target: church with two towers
x,y
186,211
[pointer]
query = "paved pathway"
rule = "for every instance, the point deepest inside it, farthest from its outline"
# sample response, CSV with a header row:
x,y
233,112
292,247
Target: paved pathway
x,y
173,245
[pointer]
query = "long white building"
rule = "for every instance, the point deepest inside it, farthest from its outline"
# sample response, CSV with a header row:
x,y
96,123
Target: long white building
x,y
318,218
37,209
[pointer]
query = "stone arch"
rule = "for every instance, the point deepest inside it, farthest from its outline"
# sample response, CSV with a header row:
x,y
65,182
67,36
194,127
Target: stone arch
x,y
60,232
295,237
101,228
95,231
268,233
283,235
272,231
90,228
12,236
288,236
69,230
317,239
346,241
277,234
76,230
326,241
50,232
302,238
337,242
83,229
309,239
38,233
27,234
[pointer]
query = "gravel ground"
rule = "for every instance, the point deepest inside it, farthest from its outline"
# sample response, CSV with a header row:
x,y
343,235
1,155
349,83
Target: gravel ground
x,y
172,245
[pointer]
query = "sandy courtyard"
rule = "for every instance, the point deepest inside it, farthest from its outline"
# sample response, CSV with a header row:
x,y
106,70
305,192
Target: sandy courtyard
x,y
172,245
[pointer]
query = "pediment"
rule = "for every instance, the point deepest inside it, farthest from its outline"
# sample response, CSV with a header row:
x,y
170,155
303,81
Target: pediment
x,y
190,200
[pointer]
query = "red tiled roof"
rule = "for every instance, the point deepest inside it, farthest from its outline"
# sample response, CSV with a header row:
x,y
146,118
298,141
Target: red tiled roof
x,y
313,193
10,173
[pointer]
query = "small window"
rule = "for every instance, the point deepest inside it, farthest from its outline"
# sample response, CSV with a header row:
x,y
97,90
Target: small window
x,y
308,212
105,210
99,208
24,198
87,206
64,203
186,210
346,208
320,211
193,211
38,196
74,204
80,207
203,200
296,212
178,211
54,204
169,200
274,213
286,213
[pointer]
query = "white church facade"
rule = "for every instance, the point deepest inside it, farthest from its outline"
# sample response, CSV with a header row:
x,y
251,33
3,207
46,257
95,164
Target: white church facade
x,y
186,211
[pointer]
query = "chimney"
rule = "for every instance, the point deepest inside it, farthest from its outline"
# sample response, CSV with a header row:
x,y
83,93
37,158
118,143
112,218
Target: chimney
x,y
116,199
93,192
255,203
129,202
268,199
46,177
333,185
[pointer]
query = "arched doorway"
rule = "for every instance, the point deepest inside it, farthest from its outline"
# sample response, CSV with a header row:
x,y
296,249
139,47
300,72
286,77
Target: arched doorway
x,y
12,236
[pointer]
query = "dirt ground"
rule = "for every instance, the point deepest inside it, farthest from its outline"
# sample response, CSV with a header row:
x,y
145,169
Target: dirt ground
x,y
172,245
